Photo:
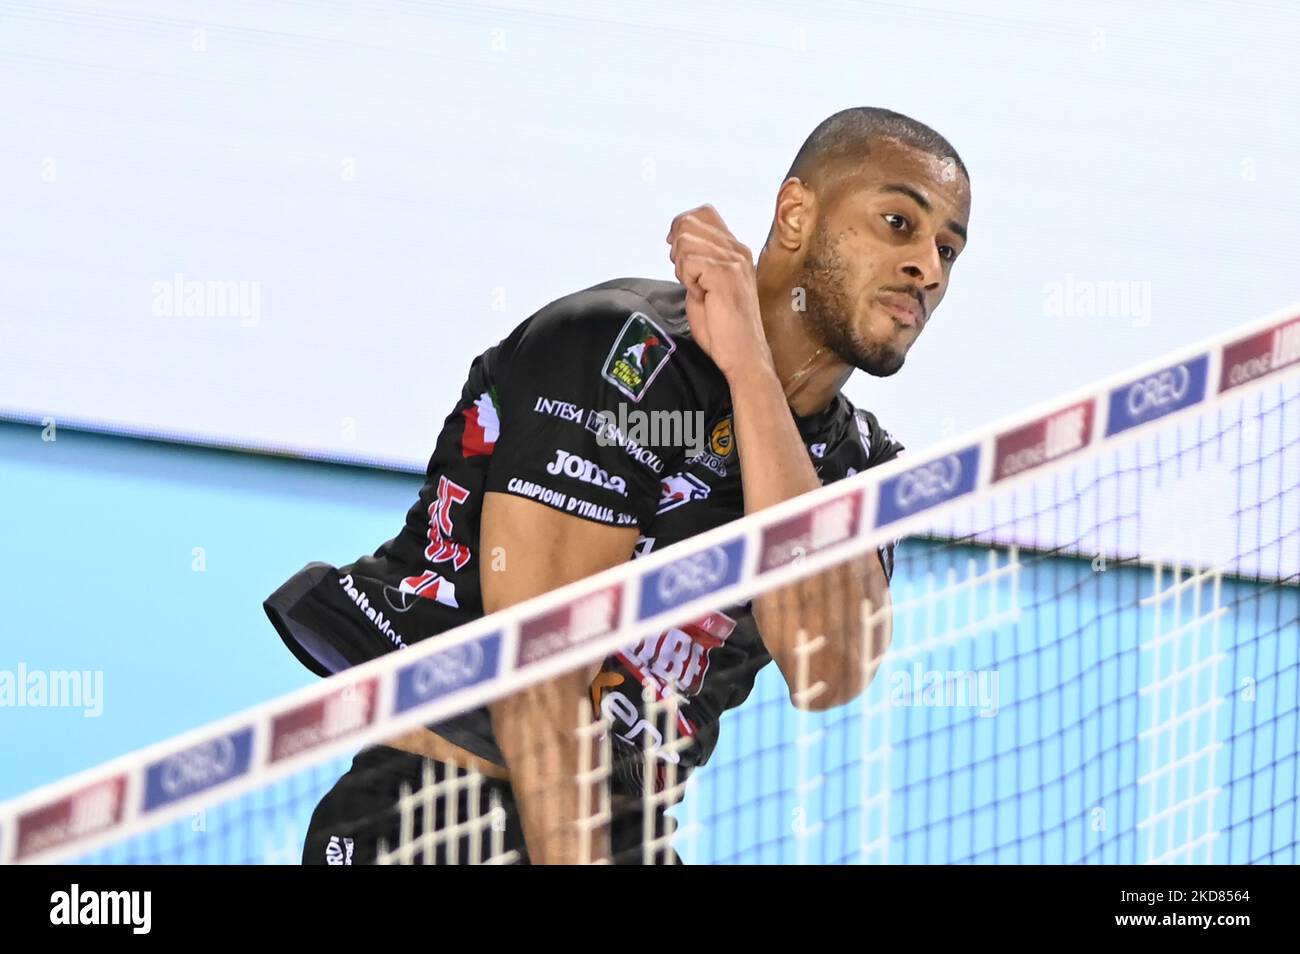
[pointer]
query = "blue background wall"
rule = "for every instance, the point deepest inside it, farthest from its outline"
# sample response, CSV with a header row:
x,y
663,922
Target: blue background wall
x,y
98,537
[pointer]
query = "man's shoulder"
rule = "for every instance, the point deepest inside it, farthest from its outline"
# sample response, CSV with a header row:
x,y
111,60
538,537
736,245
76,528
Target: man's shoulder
x,y
632,331
666,300
613,303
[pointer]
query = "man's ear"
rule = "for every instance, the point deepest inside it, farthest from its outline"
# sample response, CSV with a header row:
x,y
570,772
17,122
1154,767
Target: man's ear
x,y
795,218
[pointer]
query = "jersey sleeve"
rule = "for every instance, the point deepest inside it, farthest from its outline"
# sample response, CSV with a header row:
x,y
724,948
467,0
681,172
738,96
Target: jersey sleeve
x,y
881,448
588,395
880,444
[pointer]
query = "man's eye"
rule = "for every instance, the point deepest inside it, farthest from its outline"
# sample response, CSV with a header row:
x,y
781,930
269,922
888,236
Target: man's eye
x,y
947,253
896,221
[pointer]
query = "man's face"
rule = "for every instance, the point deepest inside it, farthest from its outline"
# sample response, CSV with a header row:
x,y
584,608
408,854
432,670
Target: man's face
x,y
882,253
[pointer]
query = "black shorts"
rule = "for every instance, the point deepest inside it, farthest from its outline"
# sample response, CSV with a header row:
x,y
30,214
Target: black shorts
x,y
361,811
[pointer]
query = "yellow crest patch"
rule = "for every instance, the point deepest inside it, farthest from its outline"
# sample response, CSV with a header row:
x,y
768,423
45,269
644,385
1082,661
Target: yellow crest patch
x,y
721,440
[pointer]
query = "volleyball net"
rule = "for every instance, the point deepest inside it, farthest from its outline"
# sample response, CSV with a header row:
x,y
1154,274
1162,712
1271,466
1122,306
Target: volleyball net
x,y
1095,622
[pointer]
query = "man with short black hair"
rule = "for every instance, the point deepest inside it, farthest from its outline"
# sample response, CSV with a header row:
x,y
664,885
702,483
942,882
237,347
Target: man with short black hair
x,y
532,464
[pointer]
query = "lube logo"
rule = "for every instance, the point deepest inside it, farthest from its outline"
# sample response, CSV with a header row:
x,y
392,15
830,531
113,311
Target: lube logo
x,y
571,465
1286,346
1047,439
1064,433
805,534
1261,353
315,723
78,815
566,626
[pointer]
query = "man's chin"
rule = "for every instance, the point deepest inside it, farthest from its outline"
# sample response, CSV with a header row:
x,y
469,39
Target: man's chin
x,y
881,366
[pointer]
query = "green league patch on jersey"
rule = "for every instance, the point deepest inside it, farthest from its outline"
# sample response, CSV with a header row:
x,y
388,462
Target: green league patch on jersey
x,y
641,351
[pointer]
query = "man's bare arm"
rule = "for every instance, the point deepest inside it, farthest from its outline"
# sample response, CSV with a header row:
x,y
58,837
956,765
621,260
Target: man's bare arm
x,y
725,319
537,728
774,466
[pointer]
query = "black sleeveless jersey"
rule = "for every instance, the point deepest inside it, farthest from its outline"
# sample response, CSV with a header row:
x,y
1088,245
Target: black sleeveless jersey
x,y
602,406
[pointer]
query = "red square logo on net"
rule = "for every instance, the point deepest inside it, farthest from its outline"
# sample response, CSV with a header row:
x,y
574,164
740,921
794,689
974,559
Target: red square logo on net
x,y
73,817
588,617
1260,354
341,713
805,534
1050,438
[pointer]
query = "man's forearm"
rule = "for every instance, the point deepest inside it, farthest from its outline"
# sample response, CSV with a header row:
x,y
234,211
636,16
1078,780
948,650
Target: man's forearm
x,y
540,733
775,466
544,730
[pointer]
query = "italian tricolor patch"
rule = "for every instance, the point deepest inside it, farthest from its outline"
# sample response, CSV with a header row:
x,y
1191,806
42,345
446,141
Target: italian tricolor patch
x,y
482,426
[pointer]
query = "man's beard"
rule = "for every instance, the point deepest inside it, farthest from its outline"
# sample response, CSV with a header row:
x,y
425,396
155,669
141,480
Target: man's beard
x,y
828,310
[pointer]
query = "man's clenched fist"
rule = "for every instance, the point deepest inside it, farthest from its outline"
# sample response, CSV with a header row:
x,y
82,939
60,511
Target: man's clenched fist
x,y
721,291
